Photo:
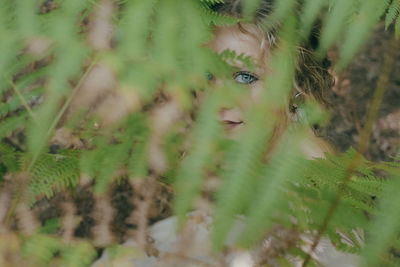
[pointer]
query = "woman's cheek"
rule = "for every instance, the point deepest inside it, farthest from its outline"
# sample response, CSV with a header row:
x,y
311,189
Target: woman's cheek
x,y
256,90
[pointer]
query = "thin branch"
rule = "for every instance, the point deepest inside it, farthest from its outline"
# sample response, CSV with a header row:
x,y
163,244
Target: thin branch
x,y
62,110
23,101
363,143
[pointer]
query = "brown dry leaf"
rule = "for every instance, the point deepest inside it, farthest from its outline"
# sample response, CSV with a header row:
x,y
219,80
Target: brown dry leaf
x,y
64,138
103,216
5,201
162,119
10,250
69,221
100,92
144,189
38,46
390,122
27,221
98,83
118,105
101,95
101,28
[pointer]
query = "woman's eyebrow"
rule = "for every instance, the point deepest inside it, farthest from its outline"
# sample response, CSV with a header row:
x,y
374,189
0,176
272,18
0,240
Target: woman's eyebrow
x,y
239,65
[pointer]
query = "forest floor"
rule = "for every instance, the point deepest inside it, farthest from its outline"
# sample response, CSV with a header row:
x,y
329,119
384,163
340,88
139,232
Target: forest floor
x,y
352,95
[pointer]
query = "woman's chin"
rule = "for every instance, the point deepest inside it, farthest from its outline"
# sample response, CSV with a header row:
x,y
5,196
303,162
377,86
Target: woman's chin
x,y
233,129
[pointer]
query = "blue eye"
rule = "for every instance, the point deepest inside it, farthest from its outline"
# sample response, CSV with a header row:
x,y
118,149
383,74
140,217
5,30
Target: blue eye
x,y
245,77
210,77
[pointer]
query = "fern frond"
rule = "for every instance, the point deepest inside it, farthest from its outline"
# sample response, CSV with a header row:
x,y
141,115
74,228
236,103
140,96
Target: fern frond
x,y
103,161
126,148
397,28
14,105
358,31
212,1
392,13
371,186
243,169
137,163
310,12
249,8
41,248
136,24
8,158
211,17
9,45
10,124
53,172
162,46
335,23
191,174
361,189
283,8
70,53
27,19
113,158
79,254
385,227
285,165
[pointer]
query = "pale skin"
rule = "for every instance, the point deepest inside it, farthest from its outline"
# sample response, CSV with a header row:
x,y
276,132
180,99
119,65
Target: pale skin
x,y
250,43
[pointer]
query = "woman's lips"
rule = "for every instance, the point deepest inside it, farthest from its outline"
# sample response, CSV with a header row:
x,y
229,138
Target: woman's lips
x,y
230,125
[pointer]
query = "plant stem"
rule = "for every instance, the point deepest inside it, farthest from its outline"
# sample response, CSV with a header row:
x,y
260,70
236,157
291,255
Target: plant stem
x,y
62,111
23,101
20,186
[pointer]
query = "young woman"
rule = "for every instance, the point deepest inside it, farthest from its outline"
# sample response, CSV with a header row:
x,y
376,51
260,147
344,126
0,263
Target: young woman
x,y
312,78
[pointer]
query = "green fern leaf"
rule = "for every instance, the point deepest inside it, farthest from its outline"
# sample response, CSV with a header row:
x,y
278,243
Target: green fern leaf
x,y
9,158
41,248
10,124
53,172
310,12
212,1
243,168
211,17
191,174
78,254
335,23
397,28
27,19
286,164
135,28
392,13
385,227
369,15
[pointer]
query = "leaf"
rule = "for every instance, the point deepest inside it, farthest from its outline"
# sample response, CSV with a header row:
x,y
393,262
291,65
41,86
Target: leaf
x,y
310,12
191,173
53,172
392,13
359,29
285,165
335,23
385,227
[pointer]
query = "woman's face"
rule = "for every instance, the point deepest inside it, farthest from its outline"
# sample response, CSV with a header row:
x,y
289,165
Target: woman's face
x,y
250,43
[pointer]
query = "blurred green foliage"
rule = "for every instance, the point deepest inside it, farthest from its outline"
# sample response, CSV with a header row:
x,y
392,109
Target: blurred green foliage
x,y
155,49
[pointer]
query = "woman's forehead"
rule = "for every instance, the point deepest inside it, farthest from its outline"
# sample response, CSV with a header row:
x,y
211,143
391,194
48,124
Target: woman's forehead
x,y
248,42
